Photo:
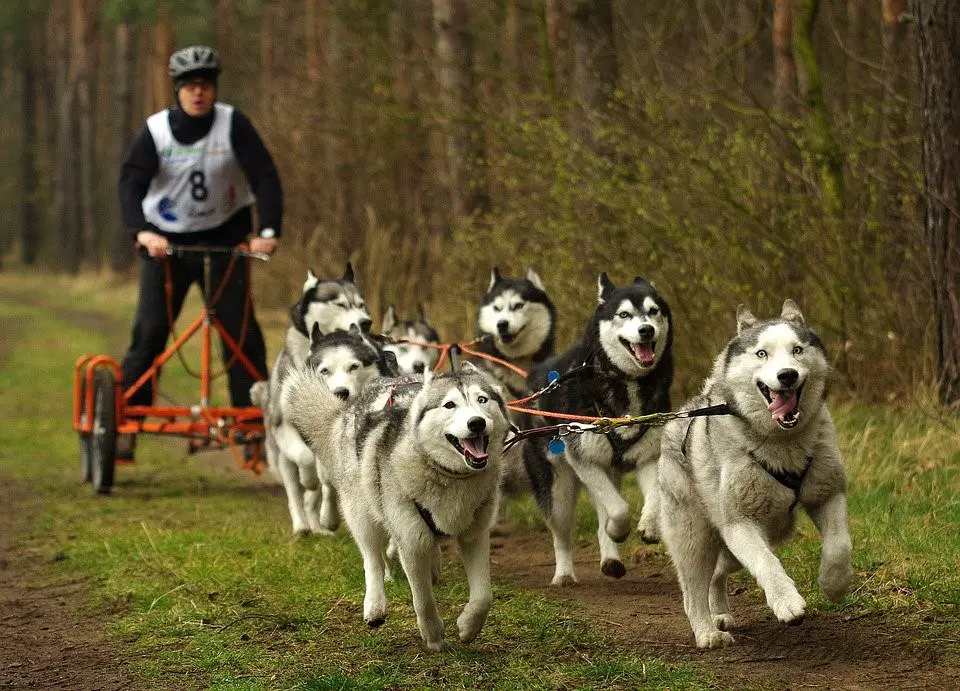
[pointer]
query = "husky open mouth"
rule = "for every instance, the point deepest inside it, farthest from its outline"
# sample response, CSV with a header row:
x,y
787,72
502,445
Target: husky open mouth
x,y
510,338
645,352
473,449
784,406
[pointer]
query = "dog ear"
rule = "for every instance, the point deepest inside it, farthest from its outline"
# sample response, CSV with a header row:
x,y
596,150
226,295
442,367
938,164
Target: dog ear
x,y
468,368
744,318
311,281
495,278
791,312
348,273
389,367
315,334
534,278
389,320
604,287
427,377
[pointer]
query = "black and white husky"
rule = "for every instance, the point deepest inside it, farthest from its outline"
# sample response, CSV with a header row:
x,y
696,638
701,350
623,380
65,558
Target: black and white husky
x,y
627,350
729,485
516,321
411,358
413,459
325,306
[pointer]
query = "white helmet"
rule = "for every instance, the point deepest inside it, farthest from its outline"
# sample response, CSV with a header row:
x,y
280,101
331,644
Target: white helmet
x,y
194,59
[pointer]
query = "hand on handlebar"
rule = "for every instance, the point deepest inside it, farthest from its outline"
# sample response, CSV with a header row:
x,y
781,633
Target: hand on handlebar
x,y
156,245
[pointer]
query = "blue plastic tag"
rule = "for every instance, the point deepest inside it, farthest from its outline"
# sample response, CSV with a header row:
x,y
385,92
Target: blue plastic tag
x,y
552,376
556,446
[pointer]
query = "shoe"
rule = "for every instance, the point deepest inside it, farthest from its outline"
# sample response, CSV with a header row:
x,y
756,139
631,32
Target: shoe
x,y
126,445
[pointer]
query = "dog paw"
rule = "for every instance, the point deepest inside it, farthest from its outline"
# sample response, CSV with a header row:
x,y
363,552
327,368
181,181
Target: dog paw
x,y
618,529
469,624
790,608
613,568
301,533
835,581
435,646
649,531
320,530
564,580
724,622
713,639
376,622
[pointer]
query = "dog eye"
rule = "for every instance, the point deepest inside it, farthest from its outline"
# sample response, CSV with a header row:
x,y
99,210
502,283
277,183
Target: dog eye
x,y
361,306
797,350
654,311
341,305
761,353
325,372
449,405
518,306
482,399
624,315
353,368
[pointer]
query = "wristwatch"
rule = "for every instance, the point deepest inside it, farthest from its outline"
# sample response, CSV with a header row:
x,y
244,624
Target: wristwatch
x,y
268,233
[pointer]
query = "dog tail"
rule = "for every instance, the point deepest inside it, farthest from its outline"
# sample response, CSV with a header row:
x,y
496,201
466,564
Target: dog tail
x,y
310,407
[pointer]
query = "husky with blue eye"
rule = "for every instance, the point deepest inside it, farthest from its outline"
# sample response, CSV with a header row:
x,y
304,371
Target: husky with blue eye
x,y
413,459
730,485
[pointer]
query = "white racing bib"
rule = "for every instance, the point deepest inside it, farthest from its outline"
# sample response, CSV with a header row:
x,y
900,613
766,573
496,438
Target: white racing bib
x,y
197,186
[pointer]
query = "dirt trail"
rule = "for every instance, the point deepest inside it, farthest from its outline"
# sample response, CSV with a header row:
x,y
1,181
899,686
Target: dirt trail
x,y
644,611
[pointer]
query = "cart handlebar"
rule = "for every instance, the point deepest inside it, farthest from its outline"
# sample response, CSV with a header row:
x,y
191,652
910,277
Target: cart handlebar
x,y
239,251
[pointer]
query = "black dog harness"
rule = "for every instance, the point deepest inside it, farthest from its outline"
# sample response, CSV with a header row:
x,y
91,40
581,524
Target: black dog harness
x,y
793,481
428,519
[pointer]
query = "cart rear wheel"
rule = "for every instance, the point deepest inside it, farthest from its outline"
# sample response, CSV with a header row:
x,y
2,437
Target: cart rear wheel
x,y
103,439
86,464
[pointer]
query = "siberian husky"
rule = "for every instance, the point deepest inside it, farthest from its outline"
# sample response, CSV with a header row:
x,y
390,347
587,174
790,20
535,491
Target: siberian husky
x,y
325,306
729,485
413,459
411,358
627,354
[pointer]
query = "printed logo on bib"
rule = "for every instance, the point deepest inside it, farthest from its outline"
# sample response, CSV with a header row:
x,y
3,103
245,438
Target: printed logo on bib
x,y
180,152
165,209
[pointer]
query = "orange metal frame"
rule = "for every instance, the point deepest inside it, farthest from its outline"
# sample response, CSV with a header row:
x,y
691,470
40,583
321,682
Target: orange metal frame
x,y
205,423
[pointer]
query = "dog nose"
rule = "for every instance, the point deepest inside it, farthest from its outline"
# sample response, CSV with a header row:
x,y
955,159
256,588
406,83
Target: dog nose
x,y
646,332
788,376
418,367
503,326
476,424
365,325
342,393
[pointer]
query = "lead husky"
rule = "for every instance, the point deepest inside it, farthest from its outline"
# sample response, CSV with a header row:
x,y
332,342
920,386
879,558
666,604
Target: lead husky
x,y
729,485
411,358
413,459
325,306
627,351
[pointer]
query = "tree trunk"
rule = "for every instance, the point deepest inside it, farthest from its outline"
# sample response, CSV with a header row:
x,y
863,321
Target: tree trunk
x,y
65,189
938,50
895,54
161,95
121,248
785,68
30,239
595,71
454,55
84,36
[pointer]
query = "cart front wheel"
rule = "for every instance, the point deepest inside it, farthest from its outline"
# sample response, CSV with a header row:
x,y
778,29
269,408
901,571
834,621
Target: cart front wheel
x,y
103,440
86,464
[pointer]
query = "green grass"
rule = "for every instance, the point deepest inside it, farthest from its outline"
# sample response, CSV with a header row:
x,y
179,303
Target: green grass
x,y
205,586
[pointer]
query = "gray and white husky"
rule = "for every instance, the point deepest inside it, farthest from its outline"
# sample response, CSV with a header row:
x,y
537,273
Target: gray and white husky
x,y
325,306
627,351
729,485
413,459
411,358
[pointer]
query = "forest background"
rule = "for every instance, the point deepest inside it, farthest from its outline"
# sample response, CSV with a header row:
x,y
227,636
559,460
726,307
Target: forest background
x,y
729,150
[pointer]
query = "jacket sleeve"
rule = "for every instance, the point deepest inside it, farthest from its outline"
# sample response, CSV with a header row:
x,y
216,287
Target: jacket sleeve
x,y
258,166
136,172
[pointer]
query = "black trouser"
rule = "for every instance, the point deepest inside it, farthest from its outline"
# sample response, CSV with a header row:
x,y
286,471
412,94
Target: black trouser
x,y
151,326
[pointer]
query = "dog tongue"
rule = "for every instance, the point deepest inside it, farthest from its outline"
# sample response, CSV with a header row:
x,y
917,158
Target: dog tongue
x,y
781,405
474,447
643,352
